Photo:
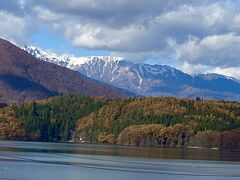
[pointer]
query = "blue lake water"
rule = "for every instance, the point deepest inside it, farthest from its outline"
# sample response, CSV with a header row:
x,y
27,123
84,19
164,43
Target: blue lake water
x,y
37,160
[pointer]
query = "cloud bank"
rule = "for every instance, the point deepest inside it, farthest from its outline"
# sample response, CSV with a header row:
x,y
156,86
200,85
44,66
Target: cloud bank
x,y
196,36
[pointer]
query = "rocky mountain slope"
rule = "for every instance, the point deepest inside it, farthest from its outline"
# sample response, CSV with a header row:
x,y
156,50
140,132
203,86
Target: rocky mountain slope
x,y
146,79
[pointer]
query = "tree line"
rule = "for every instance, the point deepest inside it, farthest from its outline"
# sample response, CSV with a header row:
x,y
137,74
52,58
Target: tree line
x,y
150,121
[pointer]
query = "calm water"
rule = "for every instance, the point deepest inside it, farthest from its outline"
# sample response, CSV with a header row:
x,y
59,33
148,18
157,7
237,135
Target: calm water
x,y
35,160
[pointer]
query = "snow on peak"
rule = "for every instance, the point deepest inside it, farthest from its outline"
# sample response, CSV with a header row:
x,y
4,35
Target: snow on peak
x,y
77,63
68,60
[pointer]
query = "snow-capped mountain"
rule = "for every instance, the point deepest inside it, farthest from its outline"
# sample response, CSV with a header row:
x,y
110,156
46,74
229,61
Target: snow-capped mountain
x,y
145,79
68,61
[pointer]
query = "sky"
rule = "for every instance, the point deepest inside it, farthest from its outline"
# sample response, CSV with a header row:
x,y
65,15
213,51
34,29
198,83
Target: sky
x,y
195,36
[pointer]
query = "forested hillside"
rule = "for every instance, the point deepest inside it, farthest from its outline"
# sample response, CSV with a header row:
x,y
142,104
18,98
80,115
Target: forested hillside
x,y
55,119
162,121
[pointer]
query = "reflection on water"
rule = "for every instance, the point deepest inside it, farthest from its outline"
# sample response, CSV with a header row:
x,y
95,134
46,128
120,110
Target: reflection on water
x,y
19,160
114,150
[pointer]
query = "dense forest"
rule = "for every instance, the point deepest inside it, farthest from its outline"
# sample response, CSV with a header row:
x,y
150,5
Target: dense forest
x,y
148,121
55,119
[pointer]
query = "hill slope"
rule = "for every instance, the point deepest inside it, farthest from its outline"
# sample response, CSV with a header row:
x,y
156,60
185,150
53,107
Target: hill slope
x,y
23,77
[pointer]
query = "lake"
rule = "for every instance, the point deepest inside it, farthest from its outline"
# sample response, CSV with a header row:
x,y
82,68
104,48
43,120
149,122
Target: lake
x,y
38,160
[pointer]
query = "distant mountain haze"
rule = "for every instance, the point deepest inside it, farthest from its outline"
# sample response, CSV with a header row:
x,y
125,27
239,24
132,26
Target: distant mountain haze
x,y
24,77
146,79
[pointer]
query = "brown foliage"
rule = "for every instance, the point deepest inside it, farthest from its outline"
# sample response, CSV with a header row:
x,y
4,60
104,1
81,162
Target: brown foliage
x,y
10,127
206,139
106,138
231,139
154,135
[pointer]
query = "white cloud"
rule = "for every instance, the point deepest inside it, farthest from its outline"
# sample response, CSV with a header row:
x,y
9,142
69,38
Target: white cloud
x,y
193,68
133,26
199,68
46,15
231,71
12,27
21,3
216,50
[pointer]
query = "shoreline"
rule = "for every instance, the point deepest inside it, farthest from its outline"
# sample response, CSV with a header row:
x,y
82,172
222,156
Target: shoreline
x,y
122,145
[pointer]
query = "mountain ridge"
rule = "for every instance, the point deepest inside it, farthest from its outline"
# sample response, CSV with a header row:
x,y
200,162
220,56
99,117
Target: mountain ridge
x,y
146,79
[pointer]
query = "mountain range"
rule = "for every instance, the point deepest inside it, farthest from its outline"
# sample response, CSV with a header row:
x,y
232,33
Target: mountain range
x,y
24,77
145,79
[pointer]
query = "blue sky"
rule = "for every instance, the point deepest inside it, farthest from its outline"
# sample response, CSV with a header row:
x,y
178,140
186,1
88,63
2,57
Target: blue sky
x,y
195,36
58,44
